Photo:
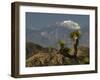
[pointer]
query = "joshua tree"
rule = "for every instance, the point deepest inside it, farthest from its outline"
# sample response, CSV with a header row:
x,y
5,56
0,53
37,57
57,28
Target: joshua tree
x,y
75,35
63,49
61,43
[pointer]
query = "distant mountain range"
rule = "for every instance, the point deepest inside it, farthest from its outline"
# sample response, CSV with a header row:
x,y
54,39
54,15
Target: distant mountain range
x,y
49,36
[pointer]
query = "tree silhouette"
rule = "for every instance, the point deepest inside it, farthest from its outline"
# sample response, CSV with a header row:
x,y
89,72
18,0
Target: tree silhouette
x,y
75,35
61,43
63,49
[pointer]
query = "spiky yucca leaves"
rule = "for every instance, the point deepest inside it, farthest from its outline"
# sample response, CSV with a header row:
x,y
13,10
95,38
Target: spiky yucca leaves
x,y
63,49
75,34
61,43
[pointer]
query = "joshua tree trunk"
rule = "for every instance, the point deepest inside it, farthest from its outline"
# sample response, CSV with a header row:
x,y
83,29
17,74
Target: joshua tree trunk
x,y
75,35
75,45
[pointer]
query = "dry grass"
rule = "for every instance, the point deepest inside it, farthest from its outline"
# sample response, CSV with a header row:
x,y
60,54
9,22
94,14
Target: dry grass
x,y
42,59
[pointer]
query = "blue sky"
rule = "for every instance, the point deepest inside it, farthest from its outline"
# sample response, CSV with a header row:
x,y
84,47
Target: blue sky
x,y
40,27
38,20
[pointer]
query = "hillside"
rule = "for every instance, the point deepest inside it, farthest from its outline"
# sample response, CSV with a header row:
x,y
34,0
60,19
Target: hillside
x,y
40,56
32,49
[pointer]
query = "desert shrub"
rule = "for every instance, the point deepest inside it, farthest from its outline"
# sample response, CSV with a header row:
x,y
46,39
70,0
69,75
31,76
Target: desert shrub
x,y
45,59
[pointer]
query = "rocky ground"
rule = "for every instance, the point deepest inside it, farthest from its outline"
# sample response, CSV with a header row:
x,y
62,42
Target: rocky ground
x,y
43,57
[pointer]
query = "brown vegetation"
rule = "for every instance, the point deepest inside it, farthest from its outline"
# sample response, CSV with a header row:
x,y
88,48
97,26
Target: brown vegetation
x,y
53,57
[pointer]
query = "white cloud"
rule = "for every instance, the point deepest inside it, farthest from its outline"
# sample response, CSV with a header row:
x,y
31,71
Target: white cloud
x,y
43,33
70,24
